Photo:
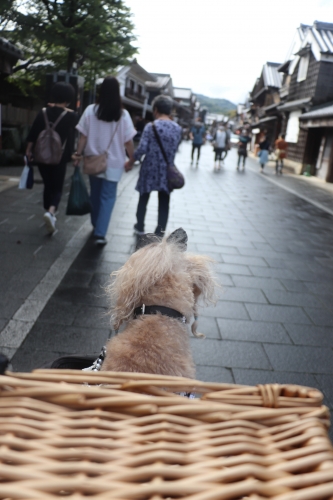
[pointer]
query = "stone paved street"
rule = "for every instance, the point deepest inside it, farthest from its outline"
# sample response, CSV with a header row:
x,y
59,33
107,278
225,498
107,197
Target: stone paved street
x,y
273,321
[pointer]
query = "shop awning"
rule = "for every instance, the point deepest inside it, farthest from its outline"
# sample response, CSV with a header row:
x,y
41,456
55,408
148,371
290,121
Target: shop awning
x,y
324,111
322,117
291,105
264,120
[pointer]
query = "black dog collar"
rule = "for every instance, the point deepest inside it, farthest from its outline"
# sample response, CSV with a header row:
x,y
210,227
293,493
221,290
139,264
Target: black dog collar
x,y
165,311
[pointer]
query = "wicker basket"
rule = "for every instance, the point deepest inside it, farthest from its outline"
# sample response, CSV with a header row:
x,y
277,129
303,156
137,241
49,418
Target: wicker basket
x,y
127,436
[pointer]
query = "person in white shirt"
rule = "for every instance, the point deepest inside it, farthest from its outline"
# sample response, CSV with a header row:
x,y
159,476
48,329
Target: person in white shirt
x,y
97,125
221,146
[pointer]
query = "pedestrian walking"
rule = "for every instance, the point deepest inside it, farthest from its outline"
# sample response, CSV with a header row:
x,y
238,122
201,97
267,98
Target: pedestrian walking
x,y
280,153
244,139
153,171
263,153
105,127
221,146
197,135
139,126
49,145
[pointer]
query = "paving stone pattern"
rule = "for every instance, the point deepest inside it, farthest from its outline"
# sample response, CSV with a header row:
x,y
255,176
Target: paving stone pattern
x,y
26,250
273,321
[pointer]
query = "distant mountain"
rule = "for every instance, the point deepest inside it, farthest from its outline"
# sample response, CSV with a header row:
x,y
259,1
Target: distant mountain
x,y
215,105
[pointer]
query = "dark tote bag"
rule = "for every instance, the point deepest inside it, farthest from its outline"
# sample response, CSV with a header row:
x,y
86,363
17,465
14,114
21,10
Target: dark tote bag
x,y
78,200
176,179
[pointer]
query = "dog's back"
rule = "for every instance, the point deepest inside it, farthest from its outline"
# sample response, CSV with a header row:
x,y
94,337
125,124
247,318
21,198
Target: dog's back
x,y
160,274
152,344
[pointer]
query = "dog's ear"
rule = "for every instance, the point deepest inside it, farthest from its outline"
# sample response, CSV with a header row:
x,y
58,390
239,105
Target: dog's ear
x,y
179,237
146,239
204,284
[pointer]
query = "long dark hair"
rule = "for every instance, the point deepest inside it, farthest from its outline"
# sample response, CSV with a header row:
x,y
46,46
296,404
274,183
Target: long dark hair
x,y
109,102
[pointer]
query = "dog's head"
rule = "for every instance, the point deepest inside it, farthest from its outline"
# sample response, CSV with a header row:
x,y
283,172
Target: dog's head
x,y
161,272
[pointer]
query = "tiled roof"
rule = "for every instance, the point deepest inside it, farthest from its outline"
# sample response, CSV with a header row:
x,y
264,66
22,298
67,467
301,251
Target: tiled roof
x,y
140,70
319,37
325,111
270,77
161,81
323,33
297,104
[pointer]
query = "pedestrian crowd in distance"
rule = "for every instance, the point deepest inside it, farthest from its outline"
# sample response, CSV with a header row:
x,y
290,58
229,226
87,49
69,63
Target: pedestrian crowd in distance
x,y
219,134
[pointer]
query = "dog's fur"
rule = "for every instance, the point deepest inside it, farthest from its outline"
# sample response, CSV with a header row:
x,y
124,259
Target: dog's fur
x,y
162,274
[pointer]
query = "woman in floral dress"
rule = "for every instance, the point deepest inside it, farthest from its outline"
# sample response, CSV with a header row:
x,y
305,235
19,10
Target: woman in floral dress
x,y
153,172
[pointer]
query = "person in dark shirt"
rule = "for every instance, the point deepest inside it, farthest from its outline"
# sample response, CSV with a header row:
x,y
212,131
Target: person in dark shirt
x,y
264,145
244,139
53,176
197,135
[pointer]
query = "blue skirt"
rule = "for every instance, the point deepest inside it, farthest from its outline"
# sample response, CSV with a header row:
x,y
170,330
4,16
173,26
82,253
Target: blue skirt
x,y
263,156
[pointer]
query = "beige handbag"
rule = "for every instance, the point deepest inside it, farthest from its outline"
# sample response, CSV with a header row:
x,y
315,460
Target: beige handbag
x,y
96,164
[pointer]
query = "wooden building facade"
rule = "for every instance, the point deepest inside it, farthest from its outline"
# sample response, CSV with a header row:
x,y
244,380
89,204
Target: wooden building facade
x,y
265,98
307,89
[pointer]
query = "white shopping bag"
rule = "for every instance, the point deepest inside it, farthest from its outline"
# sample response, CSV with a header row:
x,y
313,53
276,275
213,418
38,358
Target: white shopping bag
x,y
24,178
27,176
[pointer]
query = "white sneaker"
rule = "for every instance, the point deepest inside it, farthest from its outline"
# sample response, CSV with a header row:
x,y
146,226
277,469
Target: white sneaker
x,y
100,240
50,221
137,232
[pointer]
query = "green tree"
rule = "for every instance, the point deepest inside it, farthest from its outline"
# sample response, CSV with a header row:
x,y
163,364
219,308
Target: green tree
x,y
95,35
6,8
232,113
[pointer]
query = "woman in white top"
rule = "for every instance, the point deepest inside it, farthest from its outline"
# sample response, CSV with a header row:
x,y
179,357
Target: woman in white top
x,y
97,125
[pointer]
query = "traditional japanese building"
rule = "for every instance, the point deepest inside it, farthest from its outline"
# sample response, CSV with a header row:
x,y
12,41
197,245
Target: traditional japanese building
x,y
306,97
185,105
159,83
265,99
133,89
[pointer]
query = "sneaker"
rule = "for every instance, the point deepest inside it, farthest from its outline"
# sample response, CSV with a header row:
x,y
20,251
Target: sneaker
x,y
159,232
50,221
137,232
100,240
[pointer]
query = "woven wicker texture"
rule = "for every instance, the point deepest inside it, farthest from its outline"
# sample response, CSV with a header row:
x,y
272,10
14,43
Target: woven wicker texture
x,y
129,436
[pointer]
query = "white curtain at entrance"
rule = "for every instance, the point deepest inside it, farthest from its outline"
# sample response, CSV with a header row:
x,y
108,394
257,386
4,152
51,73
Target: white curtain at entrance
x,y
293,126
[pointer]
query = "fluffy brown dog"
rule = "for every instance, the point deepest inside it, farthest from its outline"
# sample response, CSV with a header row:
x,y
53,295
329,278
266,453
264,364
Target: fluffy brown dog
x,y
158,274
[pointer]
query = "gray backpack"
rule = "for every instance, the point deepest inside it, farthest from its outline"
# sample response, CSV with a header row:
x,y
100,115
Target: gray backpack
x,y
48,148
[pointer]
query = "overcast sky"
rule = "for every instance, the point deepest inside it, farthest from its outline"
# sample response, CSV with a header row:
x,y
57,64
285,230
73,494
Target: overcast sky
x,y
218,47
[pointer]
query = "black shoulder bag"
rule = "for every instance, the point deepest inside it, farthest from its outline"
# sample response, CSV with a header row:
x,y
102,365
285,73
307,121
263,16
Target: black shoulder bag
x,y
176,179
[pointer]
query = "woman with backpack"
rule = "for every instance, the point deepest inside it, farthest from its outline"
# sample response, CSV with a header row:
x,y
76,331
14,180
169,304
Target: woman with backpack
x,y
106,129
49,145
